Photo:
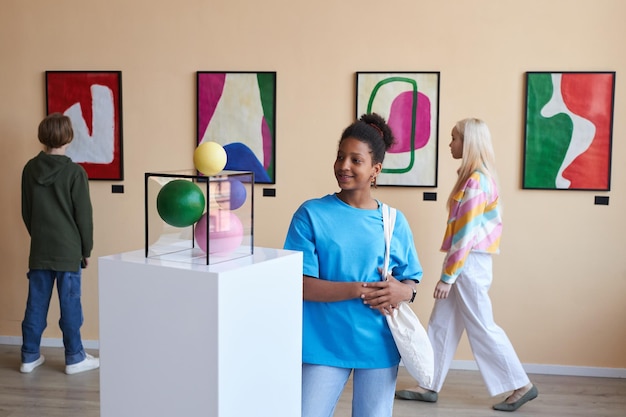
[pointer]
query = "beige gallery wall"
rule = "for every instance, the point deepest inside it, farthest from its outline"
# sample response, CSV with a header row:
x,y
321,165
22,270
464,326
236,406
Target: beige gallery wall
x,y
561,276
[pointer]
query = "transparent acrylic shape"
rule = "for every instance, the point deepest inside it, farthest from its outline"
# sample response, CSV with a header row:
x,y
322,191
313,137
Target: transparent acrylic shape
x,y
224,231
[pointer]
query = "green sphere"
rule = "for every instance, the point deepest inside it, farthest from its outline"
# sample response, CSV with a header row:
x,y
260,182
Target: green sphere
x,y
180,203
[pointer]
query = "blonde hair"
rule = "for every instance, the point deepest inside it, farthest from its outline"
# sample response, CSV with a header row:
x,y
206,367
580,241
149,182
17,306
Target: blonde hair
x,y
478,153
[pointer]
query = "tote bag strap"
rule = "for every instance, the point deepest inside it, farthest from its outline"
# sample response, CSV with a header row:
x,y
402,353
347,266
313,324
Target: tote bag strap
x,y
389,221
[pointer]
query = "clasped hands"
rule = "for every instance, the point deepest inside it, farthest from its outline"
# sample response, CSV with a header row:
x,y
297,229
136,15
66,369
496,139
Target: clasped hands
x,y
385,295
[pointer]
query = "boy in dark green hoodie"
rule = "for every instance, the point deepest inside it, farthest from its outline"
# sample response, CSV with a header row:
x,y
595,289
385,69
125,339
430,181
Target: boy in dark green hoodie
x,y
56,209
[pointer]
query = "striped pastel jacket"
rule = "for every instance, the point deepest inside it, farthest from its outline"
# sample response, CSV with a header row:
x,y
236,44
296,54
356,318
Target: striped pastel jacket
x,y
474,224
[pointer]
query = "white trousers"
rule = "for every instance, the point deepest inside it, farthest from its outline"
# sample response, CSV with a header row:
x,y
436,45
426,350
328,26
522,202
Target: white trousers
x,y
468,307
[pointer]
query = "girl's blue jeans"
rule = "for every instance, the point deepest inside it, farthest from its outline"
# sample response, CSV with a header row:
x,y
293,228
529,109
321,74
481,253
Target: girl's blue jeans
x,y
40,286
373,390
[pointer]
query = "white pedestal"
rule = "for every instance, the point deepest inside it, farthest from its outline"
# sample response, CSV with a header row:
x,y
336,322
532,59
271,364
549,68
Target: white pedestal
x,y
180,339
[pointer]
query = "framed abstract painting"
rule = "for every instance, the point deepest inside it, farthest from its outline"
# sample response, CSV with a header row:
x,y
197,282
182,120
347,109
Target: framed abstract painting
x,y
409,101
93,102
568,131
238,111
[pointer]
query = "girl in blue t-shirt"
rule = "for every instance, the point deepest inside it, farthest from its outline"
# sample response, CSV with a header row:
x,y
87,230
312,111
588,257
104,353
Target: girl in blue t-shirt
x,y
345,297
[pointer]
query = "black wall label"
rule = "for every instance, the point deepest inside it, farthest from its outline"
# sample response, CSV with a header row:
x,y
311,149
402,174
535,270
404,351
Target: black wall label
x,y
601,200
269,192
430,196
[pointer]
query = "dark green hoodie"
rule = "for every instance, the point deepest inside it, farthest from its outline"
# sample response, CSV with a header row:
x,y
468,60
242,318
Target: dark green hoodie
x,y
57,212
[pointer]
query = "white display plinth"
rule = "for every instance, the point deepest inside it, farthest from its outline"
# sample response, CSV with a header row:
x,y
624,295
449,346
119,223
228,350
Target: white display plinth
x,y
181,339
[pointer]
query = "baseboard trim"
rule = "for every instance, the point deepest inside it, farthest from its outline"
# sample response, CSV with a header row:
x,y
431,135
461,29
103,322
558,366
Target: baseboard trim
x,y
531,368
48,342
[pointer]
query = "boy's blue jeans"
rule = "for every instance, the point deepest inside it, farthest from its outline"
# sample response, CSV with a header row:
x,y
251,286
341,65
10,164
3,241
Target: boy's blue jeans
x,y
40,286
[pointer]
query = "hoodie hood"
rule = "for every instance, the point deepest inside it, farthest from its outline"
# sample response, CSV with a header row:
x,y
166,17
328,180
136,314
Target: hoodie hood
x,y
46,168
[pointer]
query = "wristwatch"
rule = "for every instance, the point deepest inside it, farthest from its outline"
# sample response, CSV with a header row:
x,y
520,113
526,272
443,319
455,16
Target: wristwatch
x,y
413,296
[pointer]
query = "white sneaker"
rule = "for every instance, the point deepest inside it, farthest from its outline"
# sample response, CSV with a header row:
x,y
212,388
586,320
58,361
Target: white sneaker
x,y
86,364
27,368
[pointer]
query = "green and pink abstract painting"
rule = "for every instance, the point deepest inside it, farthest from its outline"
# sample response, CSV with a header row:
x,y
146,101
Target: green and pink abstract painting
x,y
569,119
409,101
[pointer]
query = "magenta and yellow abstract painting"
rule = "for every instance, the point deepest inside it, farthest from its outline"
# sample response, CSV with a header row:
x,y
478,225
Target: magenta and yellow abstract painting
x,y
237,110
569,120
409,101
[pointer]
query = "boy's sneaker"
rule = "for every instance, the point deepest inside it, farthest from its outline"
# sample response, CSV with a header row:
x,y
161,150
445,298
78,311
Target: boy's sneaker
x,y
86,364
27,368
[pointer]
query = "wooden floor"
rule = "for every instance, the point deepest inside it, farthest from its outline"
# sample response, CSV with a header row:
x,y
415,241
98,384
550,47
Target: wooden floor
x,y
48,392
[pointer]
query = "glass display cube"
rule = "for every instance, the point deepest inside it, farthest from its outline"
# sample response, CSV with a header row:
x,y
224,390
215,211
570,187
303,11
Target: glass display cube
x,y
197,219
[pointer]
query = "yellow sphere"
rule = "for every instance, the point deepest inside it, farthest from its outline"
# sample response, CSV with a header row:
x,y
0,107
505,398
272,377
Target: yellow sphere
x,y
209,158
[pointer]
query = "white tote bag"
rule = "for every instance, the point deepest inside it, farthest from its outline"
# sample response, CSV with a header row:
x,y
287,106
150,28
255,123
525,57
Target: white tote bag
x,y
411,339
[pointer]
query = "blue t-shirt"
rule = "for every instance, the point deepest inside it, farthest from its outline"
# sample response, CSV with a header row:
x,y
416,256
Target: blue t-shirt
x,y
343,243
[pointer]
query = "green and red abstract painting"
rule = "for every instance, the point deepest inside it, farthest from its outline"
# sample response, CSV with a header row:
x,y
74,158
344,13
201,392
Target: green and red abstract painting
x,y
569,120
